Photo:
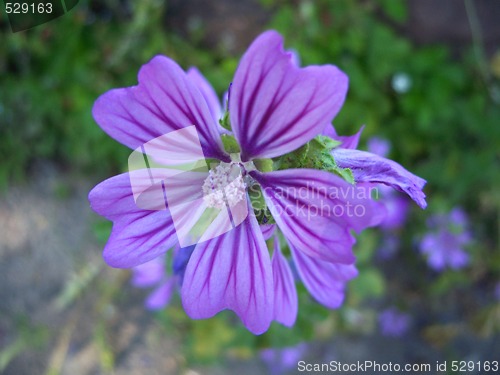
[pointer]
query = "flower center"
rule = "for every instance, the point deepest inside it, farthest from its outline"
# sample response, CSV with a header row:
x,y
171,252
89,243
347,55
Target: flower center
x,y
225,185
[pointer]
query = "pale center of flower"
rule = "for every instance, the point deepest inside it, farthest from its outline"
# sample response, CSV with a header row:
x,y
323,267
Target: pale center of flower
x,y
225,185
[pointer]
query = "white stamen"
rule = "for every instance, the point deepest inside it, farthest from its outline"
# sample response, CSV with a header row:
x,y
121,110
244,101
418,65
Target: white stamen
x,y
224,186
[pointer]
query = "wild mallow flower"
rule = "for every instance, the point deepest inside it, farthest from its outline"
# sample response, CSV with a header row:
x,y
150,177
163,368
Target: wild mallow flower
x,y
154,274
444,244
393,322
266,154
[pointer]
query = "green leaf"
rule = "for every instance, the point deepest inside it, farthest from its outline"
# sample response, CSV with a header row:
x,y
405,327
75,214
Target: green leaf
x,y
397,10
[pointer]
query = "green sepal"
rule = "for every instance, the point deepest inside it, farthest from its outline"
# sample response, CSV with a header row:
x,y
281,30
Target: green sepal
x,y
225,122
315,154
328,143
345,173
211,163
230,144
294,159
264,165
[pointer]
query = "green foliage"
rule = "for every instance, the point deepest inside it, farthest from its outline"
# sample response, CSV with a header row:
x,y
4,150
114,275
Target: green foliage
x,y
51,76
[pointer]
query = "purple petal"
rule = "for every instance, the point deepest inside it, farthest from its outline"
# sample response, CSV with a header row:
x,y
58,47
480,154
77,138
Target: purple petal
x,y
149,273
458,217
294,56
232,271
324,280
267,230
165,100
368,167
207,91
393,322
444,249
285,293
160,297
181,259
138,235
349,141
275,106
458,258
316,210
431,246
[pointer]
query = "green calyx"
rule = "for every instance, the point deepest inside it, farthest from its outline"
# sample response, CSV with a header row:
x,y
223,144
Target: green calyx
x,y
264,165
230,144
225,122
316,154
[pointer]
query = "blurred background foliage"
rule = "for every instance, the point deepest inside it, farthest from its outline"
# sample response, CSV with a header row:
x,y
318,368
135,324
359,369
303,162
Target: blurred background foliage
x,y
440,112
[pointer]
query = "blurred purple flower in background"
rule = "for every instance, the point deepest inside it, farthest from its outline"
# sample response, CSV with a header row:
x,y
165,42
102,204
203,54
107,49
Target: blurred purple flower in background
x,y
497,291
154,274
444,244
389,245
396,204
393,322
379,146
281,360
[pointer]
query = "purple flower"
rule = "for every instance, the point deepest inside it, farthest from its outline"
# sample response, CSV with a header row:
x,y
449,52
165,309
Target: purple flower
x,y
444,243
393,322
274,108
280,360
154,274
